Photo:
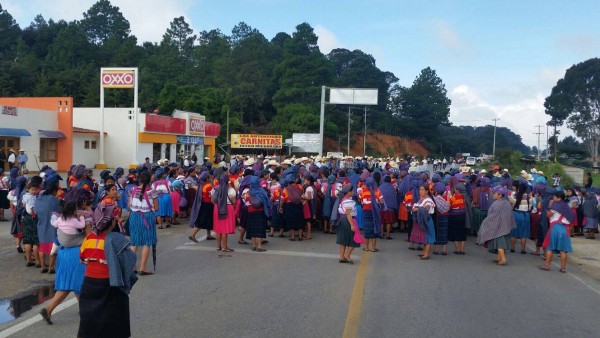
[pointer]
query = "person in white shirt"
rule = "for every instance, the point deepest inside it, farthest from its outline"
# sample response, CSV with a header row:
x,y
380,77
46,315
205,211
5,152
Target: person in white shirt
x,y
11,158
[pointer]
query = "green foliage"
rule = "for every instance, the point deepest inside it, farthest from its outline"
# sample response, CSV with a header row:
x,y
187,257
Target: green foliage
x,y
576,100
266,86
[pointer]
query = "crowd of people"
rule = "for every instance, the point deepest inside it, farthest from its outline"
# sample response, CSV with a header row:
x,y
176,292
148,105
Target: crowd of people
x,y
104,223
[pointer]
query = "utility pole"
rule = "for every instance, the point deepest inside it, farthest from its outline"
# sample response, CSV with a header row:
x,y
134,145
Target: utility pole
x,y
494,145
348,132
547,148
365,135
539,127
227,140
555,145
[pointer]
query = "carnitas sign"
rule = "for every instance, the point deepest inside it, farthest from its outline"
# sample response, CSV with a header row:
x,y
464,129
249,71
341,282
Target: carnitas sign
x,y
196,126
113,78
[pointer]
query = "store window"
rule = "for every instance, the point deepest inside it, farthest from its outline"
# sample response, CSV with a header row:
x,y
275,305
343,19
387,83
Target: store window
x,y
48,149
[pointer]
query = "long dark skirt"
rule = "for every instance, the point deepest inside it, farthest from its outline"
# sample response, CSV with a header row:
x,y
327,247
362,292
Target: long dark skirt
x,y
535,223
205,216
30,235
456,228
256,225
276,218
294,216
103,310
441,230
369,224
478,217
345,235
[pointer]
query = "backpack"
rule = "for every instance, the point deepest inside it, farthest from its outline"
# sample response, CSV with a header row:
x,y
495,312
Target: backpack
x,y
294,194
442,205
255,202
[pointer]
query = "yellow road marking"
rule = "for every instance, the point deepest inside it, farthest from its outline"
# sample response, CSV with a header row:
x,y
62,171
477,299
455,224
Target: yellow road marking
x,y
353,317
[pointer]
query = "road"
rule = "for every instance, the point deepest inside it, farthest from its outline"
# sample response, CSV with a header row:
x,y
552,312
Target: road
x,y
298,289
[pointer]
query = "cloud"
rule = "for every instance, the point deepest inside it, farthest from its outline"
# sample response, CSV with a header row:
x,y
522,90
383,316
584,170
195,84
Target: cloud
x,y
327,39
583,44
148,21
521,115
448,44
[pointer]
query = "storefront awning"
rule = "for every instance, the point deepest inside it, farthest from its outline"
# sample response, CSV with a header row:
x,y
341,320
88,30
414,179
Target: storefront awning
x,y
14,132
52,134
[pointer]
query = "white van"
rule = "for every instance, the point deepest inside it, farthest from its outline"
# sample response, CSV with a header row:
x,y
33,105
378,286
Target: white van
x,y
470,160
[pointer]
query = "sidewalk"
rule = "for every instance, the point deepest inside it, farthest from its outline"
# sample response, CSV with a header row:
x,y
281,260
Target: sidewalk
x,y
586,254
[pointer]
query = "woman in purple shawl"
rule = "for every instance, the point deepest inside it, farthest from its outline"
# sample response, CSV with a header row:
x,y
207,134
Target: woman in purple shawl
x,y
481,201
390,197
494,233
558,240
371,200
223,197
201,216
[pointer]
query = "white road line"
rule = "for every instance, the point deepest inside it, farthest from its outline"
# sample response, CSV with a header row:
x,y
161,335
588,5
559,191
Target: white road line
x,y
268,252
26,323
572,275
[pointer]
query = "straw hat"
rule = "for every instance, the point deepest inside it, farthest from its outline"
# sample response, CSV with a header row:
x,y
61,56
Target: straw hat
x,y
288,162
21,150
524,173
250,161
505,170
541,173
304,159
273,162
483,171
529,177
534,171
298,161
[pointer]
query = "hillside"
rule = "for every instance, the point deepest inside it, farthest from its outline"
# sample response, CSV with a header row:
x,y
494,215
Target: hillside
x,y
379,145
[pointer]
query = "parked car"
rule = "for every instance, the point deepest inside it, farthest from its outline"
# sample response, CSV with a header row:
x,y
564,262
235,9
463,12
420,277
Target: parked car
x,y
470,160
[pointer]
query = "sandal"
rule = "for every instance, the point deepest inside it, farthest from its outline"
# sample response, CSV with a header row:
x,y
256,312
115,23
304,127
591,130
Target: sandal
x,y
523,252
46,316
349,261
243,242
227,250
366,249
282,235
424,258
541,267
210,238
271,235
293,239
409,248
563,270
444,253
193,239
160,227
261,250
375,250
146,273
219,249
535,253
300,239
343,260
436,253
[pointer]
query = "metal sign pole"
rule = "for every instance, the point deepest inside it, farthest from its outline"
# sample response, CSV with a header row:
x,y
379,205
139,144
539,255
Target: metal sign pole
x,y
101,160
322,126
136,115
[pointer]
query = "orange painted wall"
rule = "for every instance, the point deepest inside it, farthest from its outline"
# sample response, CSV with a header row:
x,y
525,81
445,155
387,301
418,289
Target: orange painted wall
x,y
65,121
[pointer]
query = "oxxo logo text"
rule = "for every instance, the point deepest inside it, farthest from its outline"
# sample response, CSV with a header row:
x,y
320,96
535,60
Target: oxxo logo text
x,y
196,126
118,79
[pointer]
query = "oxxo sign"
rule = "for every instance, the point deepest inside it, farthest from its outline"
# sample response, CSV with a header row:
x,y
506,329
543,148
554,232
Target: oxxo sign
x,y
196,126
117,78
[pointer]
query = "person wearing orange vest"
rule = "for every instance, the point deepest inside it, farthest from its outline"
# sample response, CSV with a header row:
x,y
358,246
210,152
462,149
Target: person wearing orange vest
x,y
371,200
457,231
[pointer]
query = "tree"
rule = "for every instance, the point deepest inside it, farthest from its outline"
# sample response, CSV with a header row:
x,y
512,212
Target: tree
x,y
576,99
9,31
102,21
181,35
426,101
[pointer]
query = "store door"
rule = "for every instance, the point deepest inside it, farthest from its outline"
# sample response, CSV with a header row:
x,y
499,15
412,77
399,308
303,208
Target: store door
x,y
7,143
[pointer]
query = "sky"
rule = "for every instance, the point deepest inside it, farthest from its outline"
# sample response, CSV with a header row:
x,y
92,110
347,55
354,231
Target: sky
x,y
497,59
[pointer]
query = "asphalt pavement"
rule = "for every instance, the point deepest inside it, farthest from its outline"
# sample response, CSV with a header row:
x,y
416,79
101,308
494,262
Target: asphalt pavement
x,y
299,289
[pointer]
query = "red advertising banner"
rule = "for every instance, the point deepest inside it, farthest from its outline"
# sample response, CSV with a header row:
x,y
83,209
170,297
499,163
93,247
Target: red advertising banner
x,y
212,129
165,124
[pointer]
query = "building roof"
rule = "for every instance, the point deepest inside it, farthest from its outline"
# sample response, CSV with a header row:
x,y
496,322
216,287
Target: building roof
x,y
77,130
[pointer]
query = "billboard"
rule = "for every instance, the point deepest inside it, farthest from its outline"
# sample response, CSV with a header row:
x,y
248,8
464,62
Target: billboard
x,y
197,126
117,78
255,141
353,96
306,143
